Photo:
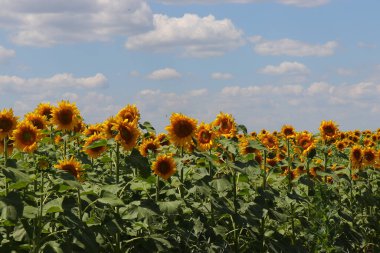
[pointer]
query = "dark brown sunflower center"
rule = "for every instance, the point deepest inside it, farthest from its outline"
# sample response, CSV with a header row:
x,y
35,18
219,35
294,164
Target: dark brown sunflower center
x,y
5,124
65,116
225,126
369,156
126,134
38,123
288,131
70,168
164,167
151,146
28,137
96,149
47,112
329,130
250,150
205,137
183,129
357,154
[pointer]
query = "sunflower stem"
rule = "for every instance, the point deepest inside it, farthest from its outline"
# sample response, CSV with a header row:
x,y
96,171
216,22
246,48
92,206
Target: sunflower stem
x,y
157,188
264,170
6,163
64,148
117,162
79,204
289,165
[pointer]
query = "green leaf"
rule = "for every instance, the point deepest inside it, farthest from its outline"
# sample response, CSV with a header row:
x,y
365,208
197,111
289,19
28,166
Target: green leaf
x,y
136,160
148,127
97,144
54,206
169,207
110,199
30,212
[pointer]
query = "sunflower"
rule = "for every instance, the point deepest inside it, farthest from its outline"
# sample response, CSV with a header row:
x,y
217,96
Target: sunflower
x,y
304,140
310,152
130,113
356,157
44,109
65,116
269,140
93,129
163,139
107,128
72,166
205,136
79,127
340,145
149,145
288,131
97,151
127,133
37,120
181,129
26,136
226,125
9,146
369,156
8,122
164,166
328,130
245,147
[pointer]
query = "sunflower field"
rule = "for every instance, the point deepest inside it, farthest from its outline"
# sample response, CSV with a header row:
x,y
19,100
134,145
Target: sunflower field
x,y
118,186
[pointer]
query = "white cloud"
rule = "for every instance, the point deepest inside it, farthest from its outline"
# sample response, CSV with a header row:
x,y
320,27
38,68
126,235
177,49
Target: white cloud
x,y
344,72
292,47
64,80
197,93
285,68
299,3
5,54
164,74
221,76
45,23
190,35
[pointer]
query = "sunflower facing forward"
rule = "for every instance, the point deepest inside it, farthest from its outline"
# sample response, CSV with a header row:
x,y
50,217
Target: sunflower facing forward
x,y
44,109
226,125
205,136
127,133
72,166
8,122
37,120
149,145
26,137
328,129
96,151
164,166
65,116
181,129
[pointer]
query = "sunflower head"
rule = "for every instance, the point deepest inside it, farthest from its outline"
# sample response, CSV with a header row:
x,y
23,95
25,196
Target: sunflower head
x,y
164,166
96,151
226,125
245,147
65,116
288,131
304,140
329,130
72,166
130,113
44,109
107,128
356,157
269,140
181,129
205,136
8,122
93,129
26,137
163,139
9,146
79,127
37,120
127,133
340,145
369,156
149,145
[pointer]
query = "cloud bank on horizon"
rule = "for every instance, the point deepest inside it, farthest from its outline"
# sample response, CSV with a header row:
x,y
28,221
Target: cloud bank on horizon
x,y
267,62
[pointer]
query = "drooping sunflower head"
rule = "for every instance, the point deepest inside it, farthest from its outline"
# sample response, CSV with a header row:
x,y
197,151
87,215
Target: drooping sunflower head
x,y
8,122
10,146
94,152
108,128
37,120
79,127
164,166
26,137
226,125
288,131
205,136
245,147
127,133
328,129
130,113
181,129
66,116
45,109
269,140
93,129
149,145
72,166
356,156
163,139
311,151
369,156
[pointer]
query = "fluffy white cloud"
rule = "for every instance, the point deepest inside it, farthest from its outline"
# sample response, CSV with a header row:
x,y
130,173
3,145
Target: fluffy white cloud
x,y
64,80
299,3
292,47
285,68
189,35
45,22
5,53
221,76
164,74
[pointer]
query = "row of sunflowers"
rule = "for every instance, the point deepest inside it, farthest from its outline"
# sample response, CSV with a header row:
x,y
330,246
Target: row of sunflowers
x,y
118,186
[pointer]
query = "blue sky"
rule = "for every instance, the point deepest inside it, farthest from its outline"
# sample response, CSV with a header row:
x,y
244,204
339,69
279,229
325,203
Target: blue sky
x,y
267,62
